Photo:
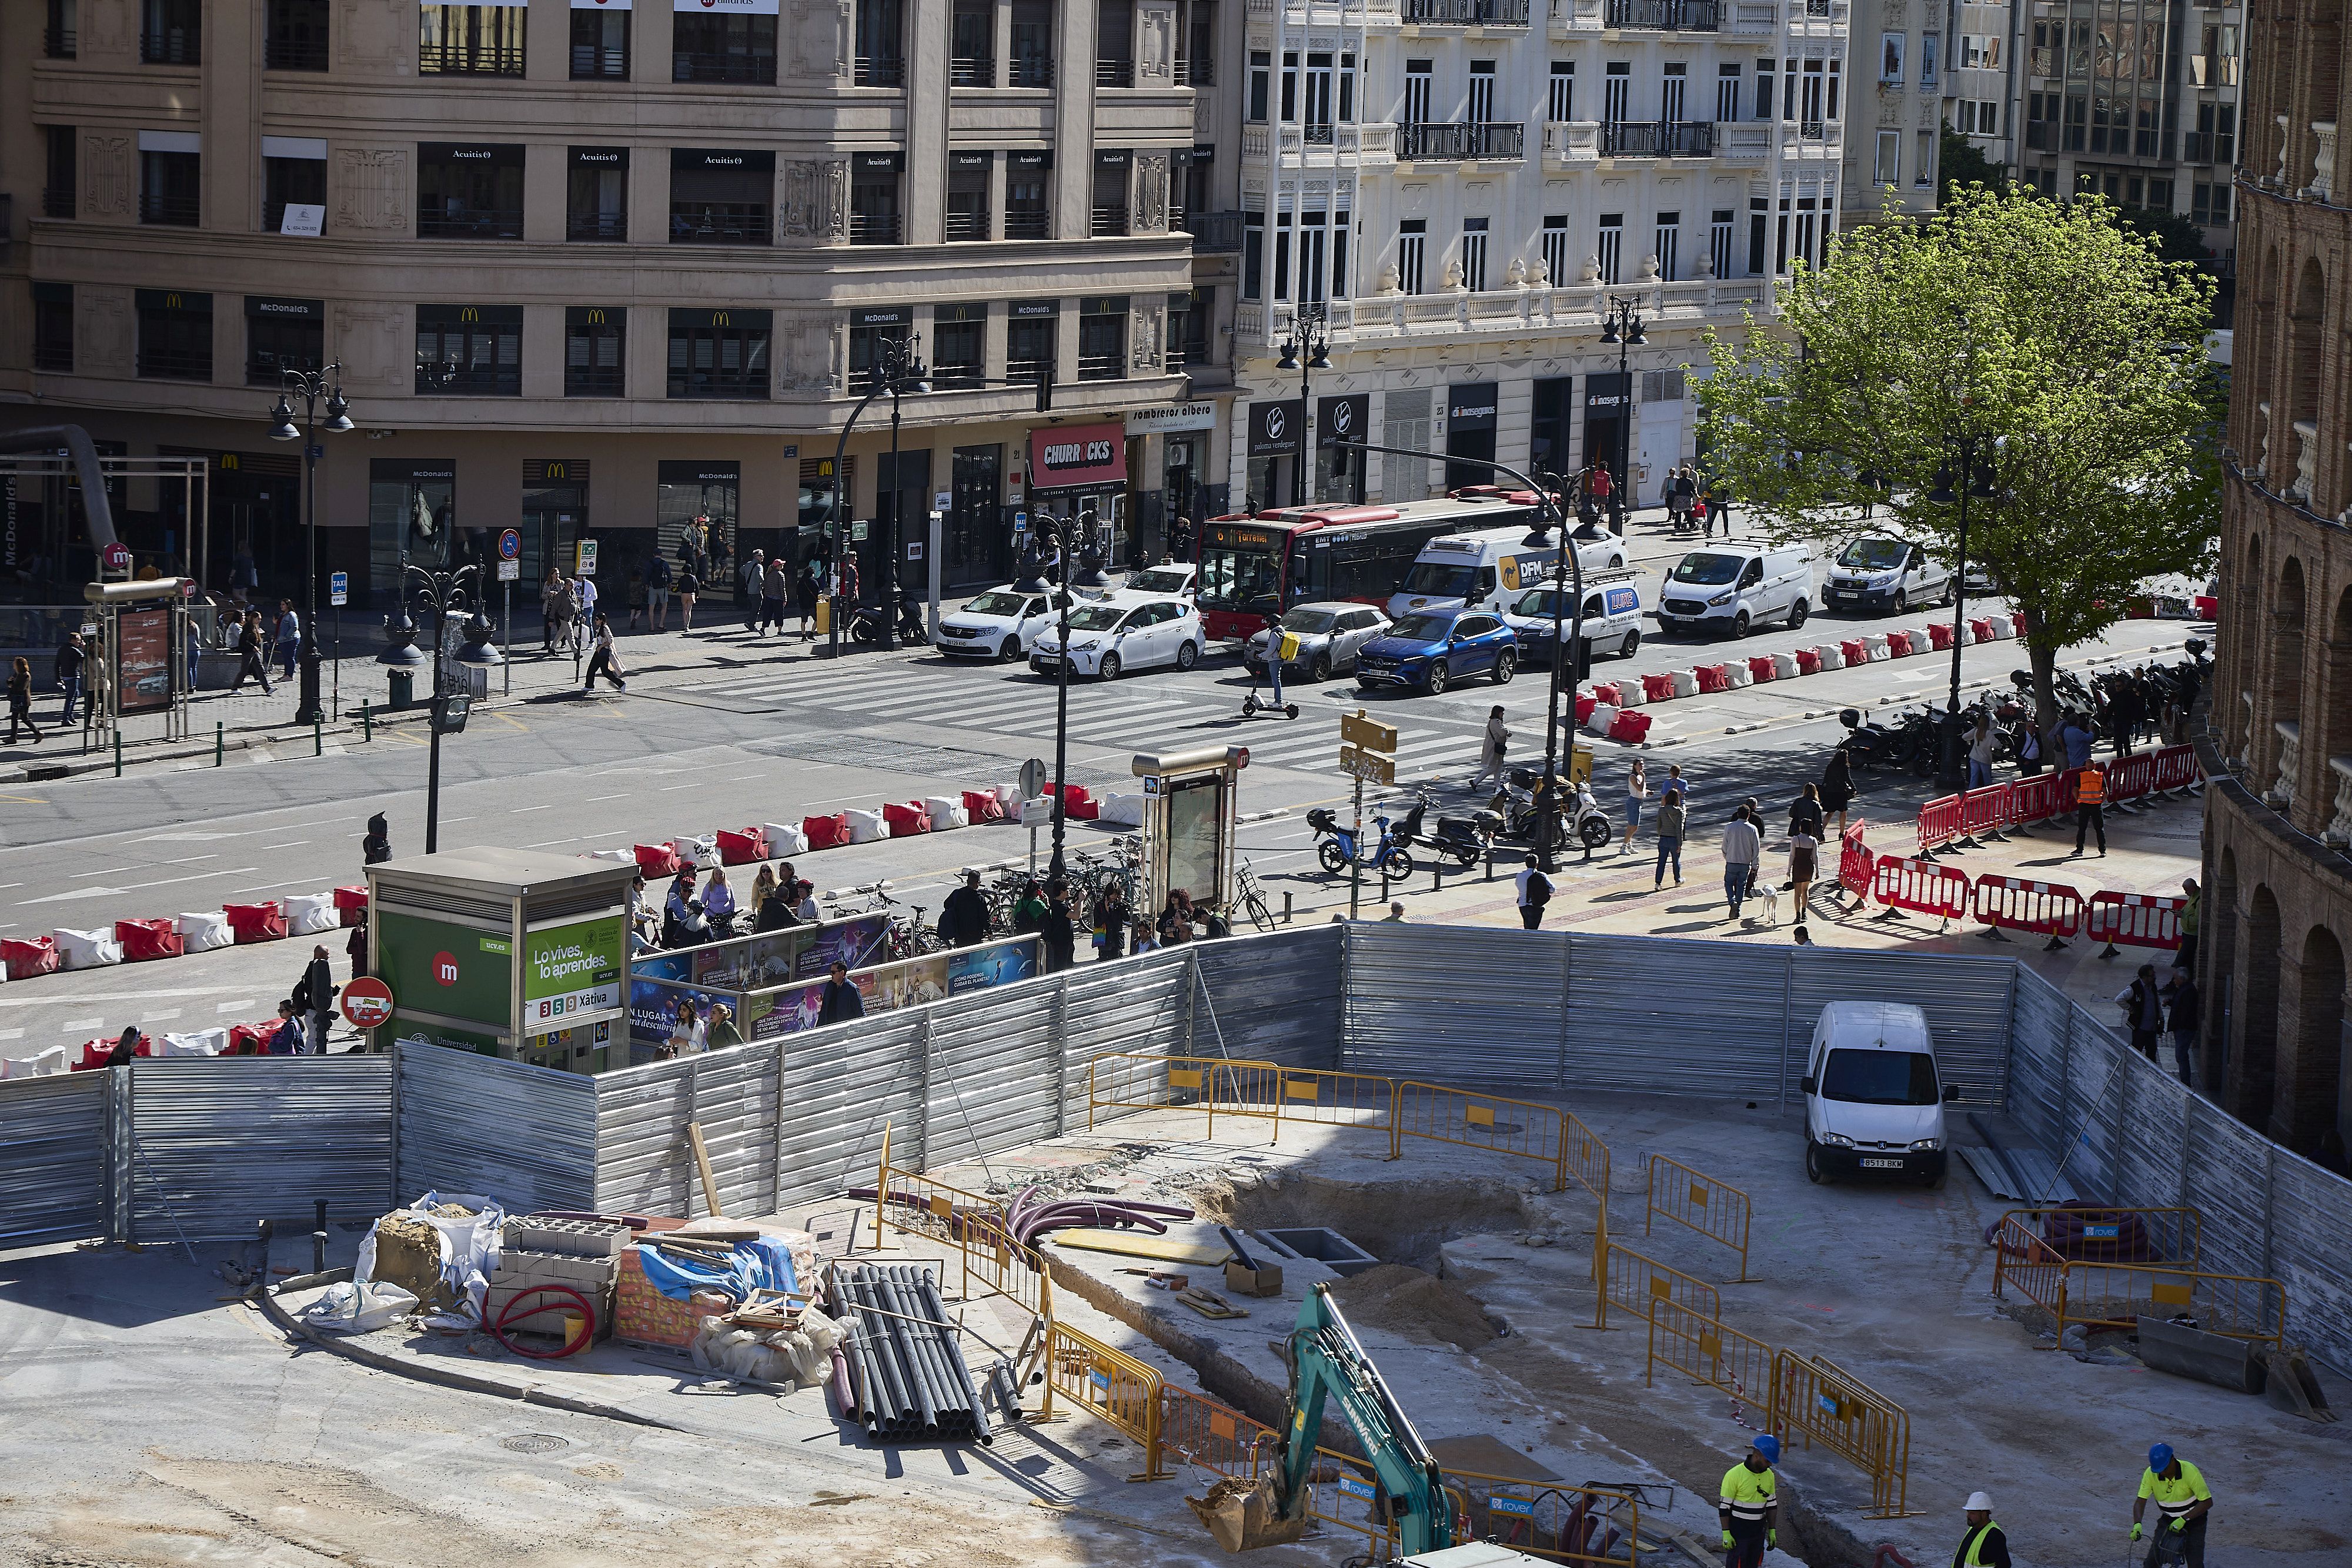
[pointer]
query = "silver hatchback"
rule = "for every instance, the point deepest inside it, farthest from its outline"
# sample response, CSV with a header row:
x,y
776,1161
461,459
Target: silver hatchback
x,y
1330,634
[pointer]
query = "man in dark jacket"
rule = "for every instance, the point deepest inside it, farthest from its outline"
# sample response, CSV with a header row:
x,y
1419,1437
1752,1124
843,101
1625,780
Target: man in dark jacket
x,y
377,846
1061,936
963,919
841,1001
1112,919
70,659
314,995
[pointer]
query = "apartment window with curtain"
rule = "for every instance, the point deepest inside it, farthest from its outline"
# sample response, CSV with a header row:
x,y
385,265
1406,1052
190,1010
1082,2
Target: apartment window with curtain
x,y
971,45
881,44
1718,243
719,354
296,35
1669,241
594,341
53,327
600,45
721,195
1764,77
171,32
1923,164
1412,240
1559,103
175,335
1674,92
469,351
874,215
1474,255
1033,44
1555,250
1314,229
1611,249
596,194
1616,88
737,47
1027,214
1481,92
1107,211
1758,211
1253,255
471,40
1418,78
1889,168
967,179
959,345
1261,67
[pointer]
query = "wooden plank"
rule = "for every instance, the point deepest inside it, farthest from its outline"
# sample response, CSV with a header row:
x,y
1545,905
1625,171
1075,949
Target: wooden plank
x,y
1137,1244
702,1162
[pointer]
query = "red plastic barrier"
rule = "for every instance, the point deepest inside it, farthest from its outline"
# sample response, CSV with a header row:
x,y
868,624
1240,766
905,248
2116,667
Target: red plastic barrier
x,y
1630,726
2049,909
1939,823
1658,689
250,1039
2134,920
26,956
1981,628
1857,867
983,805
1809,663
826,832
1761,669
2177,768
1920,886
94,1053
1855,650
1585,704
2208,607
1607,692
1939,636
658,861
1985,811
743,846
1711,678
1079,810
905,821
145,939
256,922
1898,645
351,904
2040,798
2018,618
2129,777
1078,796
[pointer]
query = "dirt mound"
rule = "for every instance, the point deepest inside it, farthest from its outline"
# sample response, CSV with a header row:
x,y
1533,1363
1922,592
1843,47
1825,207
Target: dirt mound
x,y
1408,1301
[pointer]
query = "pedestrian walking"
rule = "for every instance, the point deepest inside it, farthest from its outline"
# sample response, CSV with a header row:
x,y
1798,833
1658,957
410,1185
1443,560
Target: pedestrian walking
x,y
2182,1499
1110,920
1637,793
657,585
2192,912
1491,751
1719,509
1837,786
841,1001
71,656
584,599
314,999
1982,747
252,664
1672,817
355,946
20,699
1804,864
1674,784
775,587
2124,713
806,592
2090,807
963,918
1748,1506
555,610
750,578
1059,932
2025,745
290,637
689,585
2184,1016
1806,816
2142,1005
1743,847
1985,1545
637,597
602,661
1534,890
1755,813
722,1031
376,847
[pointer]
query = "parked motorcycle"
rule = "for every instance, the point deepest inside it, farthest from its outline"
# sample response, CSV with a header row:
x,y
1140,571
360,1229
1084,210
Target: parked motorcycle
x,y
1461,840
1907,742
1581,819
866,625
1337,847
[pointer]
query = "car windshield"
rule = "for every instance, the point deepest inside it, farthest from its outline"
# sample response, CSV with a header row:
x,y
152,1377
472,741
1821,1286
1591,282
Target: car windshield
x,y
1096,617
1423,628
1880,1078
995,604
1706,571
1440,580
1539,600
1160,580
1873,555
1308,621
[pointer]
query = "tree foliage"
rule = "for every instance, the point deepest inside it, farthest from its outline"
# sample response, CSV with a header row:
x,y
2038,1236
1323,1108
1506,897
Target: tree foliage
x,y
2054,341
1962,162
2178,236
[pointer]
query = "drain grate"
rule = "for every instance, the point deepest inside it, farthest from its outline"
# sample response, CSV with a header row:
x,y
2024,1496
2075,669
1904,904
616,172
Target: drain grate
x,y
534,1443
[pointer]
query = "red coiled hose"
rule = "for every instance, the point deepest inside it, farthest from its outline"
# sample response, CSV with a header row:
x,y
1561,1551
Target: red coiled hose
x,y
588,1310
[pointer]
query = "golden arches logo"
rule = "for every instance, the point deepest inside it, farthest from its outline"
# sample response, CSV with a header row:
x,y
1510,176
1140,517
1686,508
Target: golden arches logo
x,y
552,471
596,316
718,318
171,301
470,313
231,460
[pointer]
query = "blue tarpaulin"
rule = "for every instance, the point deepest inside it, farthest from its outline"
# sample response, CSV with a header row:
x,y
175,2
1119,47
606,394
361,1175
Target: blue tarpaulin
x,y
765,1264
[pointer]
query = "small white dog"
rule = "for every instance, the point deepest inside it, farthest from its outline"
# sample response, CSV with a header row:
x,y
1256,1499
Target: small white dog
x,y
1770,899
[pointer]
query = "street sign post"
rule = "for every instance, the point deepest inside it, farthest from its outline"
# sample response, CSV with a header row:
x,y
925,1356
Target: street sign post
x,y
1367,767
367,1002
1372,735
587,558
339,588
1032,784
1367,751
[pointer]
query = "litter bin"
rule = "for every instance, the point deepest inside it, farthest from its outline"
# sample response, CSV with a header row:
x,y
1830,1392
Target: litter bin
x,y
403,687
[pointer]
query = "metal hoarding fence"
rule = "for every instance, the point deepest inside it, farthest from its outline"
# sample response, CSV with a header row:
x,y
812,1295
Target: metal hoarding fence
x,y
1816,1401
56,1181
1693,1198
217,1144
474,1123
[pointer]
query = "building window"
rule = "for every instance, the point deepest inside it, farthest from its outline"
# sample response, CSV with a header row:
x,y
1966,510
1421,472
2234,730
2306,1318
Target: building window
x,y
1616,88
412,513
1026,213
719,354
59,181
1674,88
1890,59
1929,50
1342,222
1889,168
971,45
171,32
2208,204
1412,240
175,335
293,189
1191,317
282,335
596,194
1474,255
170,184
1759,209
1313,230
958,346
881,49
1033,43
471,40
469,351
1613,245
1837,69
874,217
1102,337
1726,92
468,190
1922,163
1253,255
1548,448
53,324
297,36
1669,237
1481,92
731,49
720,197
1261,67
600,45
60,39
1029,340
1560,104
1764,89
872,331
968,178
1718,243
1106,216
1555,251
594,364
1418,78
689,492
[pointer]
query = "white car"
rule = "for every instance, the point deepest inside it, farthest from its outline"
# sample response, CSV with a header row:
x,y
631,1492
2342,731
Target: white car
x,y
1109,637
1169,580
1001,623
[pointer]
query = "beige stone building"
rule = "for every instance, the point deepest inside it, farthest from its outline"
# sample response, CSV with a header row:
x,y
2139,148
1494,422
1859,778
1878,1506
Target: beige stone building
x,y
595,268
1894,134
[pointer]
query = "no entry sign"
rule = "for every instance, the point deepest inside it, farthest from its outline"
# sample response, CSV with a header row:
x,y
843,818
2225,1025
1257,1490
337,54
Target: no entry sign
x,y
367,1002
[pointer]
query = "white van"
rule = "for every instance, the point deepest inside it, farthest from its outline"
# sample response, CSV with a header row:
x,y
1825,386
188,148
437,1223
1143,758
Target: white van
x,y
1874,1102
1488,569
1612,617
1878,569
1733,586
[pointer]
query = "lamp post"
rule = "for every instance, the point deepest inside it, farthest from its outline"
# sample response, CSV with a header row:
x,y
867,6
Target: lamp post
x,y
1052,538
1977,479
1308,334
1622,327
311,387
442,592
900,360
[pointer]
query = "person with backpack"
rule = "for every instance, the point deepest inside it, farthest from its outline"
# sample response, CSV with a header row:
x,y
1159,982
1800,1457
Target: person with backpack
x,y
963,918
2184,1013
2142,1005
1534,890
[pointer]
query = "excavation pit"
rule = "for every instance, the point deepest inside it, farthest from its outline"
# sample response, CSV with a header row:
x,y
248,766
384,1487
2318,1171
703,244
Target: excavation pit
x,y
1322,1245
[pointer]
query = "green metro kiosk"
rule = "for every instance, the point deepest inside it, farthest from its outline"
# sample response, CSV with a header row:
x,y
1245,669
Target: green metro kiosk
x,y
519,954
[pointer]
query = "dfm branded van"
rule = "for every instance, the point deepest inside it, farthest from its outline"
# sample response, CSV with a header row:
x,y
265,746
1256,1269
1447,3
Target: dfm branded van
x,y
1490,568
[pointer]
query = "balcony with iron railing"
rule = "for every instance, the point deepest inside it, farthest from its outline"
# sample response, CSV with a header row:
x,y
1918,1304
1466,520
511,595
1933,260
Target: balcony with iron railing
x,y
1215,234
468,61
1031,70
1028,222
56,204
1658,138
1665,16
58,43
179,211
969,227
1102,367
1196,73
1466,13
594,380
719,222
966,376
1026,372
172,47
1813,131
698,66
1461,143
156,363
881,71
445,220
1107,220
591,62
1113,73
593,226
1817,7
294,55
972,70
874,228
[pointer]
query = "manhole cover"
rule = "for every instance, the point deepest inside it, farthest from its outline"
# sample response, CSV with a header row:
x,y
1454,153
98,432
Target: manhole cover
x,y
534,1443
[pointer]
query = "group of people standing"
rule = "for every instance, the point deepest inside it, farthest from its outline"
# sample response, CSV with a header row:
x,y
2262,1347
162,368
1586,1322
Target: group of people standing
x,y
1692,501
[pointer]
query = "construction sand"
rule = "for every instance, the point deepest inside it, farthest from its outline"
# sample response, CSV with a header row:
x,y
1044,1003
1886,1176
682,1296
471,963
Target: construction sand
x,y
1409,1302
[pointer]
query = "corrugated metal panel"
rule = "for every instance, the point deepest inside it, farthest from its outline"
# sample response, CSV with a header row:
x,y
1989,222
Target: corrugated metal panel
x,y
2095,1062
2148,1155
56,1174
1658,1017
1139,1006
842,1087
2231,1164
525,1136
1967,1000
1456,1004
2037,1057
1270,996
644,1161
993,1071
2312,1211
218,1144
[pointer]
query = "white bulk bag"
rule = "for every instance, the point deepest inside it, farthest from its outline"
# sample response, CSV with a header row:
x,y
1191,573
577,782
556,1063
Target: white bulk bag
x,y
88,949
701,854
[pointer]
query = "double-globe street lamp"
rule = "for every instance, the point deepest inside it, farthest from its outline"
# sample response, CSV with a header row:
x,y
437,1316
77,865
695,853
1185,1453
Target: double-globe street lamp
x,y
1050,545
1309,338
898,370
312,387
1623,327
459,591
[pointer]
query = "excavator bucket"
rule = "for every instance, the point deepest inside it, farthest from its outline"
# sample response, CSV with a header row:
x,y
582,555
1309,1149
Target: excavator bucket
x,y
1243,1516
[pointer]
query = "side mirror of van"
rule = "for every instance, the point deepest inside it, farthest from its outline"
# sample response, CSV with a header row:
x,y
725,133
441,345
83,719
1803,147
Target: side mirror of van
x,y
1805,1085
1951,1091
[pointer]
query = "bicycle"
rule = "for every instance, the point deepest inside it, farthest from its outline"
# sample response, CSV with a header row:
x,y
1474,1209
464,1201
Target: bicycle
x,y
909,937
1253,898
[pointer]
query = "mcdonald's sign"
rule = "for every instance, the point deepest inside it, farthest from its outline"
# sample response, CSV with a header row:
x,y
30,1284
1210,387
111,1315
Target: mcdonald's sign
x,y
718,318
173,302
231,460
596,316
553,470
470,313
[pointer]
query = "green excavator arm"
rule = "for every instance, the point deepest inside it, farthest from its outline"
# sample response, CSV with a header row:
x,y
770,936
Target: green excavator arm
x,y
1326,1363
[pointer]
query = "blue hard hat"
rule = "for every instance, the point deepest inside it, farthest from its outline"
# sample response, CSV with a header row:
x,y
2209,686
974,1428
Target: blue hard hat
x,y
1769,1446
2159,1458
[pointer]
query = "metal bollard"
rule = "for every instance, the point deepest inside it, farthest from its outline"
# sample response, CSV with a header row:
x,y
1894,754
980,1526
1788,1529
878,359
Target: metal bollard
x,y
318,1251
220,742
1384,884
1490,863
1285,906
1437,876
318,738
266,1229
367,722
319,1207
118,751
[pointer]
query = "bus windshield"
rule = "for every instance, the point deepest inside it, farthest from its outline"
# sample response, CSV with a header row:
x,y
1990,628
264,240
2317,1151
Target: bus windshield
x,y
1440,579
1237,578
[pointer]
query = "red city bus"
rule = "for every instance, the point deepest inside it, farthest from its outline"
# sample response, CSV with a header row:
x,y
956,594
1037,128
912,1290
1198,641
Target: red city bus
x,y
1337,551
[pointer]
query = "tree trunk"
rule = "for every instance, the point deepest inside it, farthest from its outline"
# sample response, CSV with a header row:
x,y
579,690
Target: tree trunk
x,y
2044,658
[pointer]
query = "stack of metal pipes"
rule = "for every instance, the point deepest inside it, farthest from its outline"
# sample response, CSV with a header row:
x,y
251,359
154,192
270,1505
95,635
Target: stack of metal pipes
x,y
900,1372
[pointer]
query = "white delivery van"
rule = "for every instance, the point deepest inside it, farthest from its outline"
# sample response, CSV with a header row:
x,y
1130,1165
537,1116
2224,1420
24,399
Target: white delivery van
x,y
1735,586
1878,570
1612,617
1874,1100
1490,568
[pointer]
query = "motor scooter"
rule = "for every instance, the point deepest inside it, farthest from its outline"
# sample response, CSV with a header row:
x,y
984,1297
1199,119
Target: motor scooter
x,y
1461,841
1583,821
1337,847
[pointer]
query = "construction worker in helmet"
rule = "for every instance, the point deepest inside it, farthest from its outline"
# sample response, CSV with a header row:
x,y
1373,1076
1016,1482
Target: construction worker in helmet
x,y
2183,1500
1748,1508
1985,1545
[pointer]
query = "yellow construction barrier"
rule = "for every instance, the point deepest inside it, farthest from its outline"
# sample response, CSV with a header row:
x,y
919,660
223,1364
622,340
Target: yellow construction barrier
x,y
1704,1351
1124,1082
1107,1383
1634,1282
2116,1295
1198,1431
2166,1236
1690,1197
975,1227
1339,1100
1521,1128
1816,1401
1589,1525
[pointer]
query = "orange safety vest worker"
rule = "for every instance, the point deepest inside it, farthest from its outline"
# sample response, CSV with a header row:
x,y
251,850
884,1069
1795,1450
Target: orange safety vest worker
x,y
2090,787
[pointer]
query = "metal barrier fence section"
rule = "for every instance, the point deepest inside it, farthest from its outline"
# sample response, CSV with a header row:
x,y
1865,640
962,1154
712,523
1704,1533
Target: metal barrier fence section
x,y
914,1204
1106,1383
1199,1432
1692,1197
216,1144
57,1183
1125,1082
1632,1282
2049,909
2173,1236
1339,1100
1815,1401
2116,1295
1589,1525
1703,1350
1520,1128
2135,919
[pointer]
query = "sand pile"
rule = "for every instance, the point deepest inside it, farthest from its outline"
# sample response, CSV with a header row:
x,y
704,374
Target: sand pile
x,y
1408,1301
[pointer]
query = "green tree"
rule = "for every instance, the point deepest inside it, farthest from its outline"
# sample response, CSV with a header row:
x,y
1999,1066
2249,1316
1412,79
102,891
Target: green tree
x,y
1961,163
2055,343
2178,236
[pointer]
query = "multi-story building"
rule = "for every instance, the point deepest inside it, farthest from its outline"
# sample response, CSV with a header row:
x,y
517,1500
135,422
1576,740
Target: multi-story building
x,y
596,268
1893,135
1982,77
1455,191
2278,810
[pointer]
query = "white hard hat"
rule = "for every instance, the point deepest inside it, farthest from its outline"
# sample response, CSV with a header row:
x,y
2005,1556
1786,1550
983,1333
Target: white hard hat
x,y
1979,1503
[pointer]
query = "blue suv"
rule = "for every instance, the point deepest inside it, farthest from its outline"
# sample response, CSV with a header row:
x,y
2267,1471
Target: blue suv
x,y
1434,648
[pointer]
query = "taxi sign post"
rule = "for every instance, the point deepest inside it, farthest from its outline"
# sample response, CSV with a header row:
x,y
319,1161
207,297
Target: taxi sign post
x,y
1367,751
